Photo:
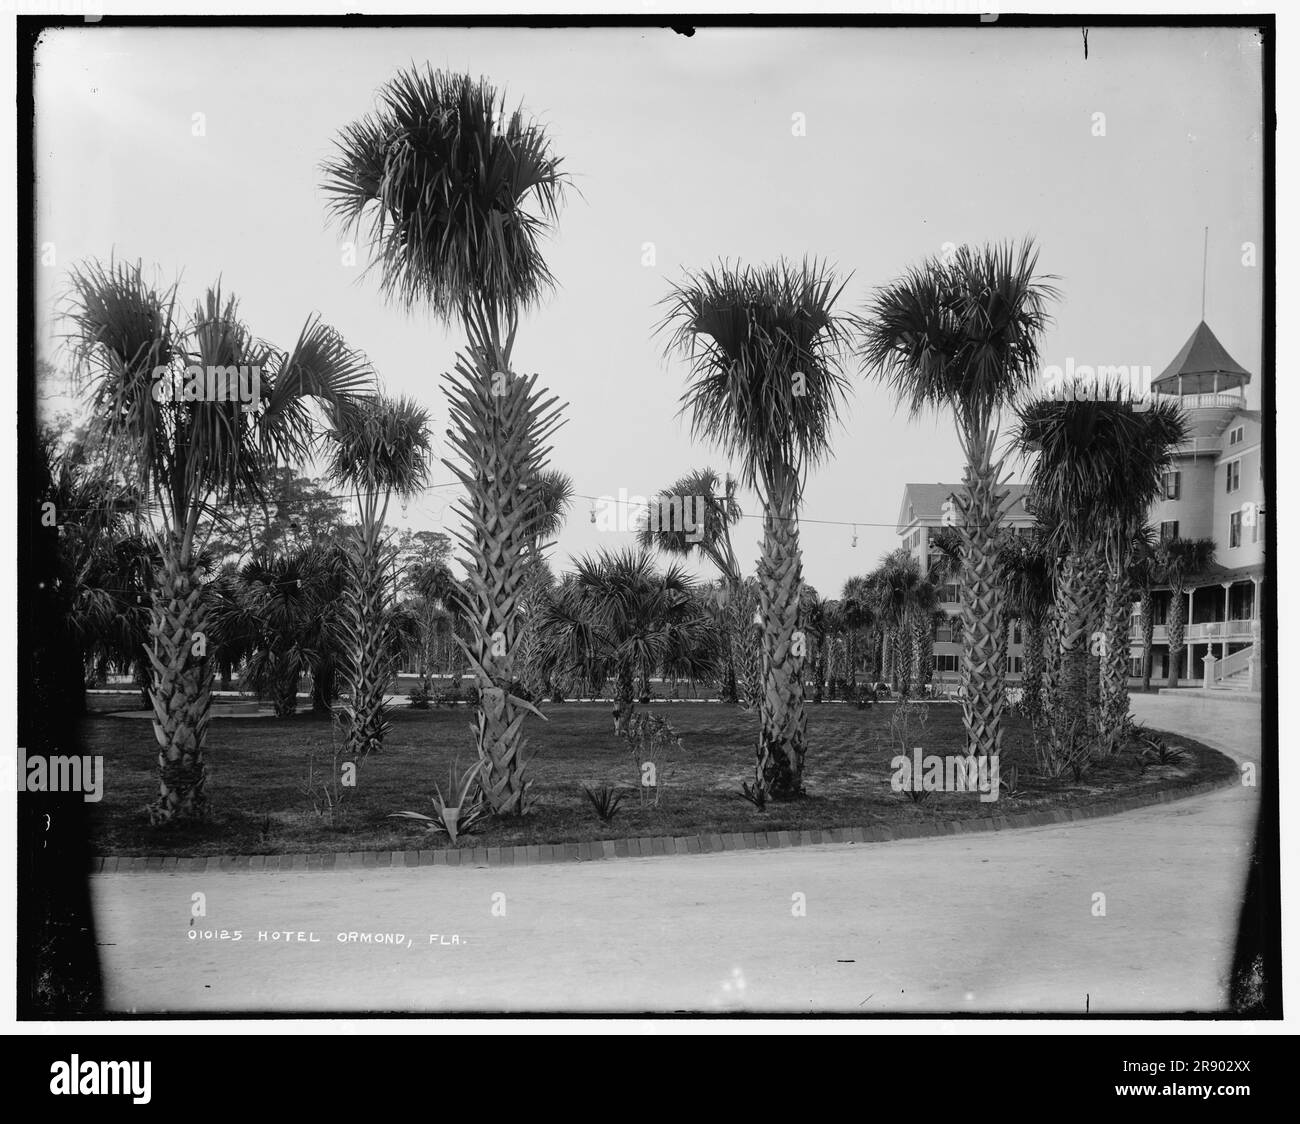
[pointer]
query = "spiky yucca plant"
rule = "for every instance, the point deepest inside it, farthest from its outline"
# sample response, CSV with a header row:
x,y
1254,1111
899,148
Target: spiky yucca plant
x,y
963,332
193,455
764,346
459,193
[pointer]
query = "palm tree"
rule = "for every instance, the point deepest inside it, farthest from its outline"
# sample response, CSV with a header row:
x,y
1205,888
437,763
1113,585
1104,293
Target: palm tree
x,y
379,449
904,604
764,345
964,333
553,497
857,601
616,616
1097,467
1178,560
190,457
716,511
289,601
1144,575
459,193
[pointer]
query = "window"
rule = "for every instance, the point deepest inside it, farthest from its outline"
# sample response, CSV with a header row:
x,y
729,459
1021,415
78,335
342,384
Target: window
x,y
1017,664
1237,436
943,634
1257,527
949,592
1015,633
945,661
1234,529
1135,667
1168,530
1172,485
1234,475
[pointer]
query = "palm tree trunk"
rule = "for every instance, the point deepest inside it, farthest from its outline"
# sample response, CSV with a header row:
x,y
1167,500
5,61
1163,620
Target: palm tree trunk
x,y
367,666
1147,610
1072,642
624,700
1114,657
781,706
1176,624
1032,680
904,661
982,692
285,698
499,428
322,686
181,691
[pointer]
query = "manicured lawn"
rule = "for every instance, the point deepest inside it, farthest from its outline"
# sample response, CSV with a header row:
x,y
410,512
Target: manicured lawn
x,y
258,773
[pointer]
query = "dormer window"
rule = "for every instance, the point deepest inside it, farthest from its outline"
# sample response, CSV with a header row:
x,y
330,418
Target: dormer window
x,y
1237,436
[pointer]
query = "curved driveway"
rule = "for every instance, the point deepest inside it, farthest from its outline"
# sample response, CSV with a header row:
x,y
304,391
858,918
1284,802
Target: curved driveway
x,y
999,922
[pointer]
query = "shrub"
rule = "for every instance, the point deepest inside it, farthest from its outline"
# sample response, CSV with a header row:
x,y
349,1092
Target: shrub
x,y
459,810
1156,751
649,738
419,698
605,800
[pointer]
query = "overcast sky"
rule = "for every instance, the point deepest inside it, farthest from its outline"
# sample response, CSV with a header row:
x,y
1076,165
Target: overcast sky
x,y
914,138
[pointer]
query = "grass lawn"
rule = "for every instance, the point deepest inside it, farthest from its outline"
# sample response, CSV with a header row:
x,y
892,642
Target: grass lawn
x,y
257,773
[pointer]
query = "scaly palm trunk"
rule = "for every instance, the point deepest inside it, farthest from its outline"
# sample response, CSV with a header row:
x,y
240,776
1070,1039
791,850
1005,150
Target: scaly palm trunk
x,y
367,665
181,689
1032,680
1072,600
322,686
285,695
923,633
1148,624
781,708
499,424
903,645
744,650
624,700
1114,657
1176,625
983,636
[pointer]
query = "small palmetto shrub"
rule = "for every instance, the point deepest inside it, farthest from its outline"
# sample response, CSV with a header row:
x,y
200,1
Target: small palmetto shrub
x,y
459,810
649,739
1156,751
605,800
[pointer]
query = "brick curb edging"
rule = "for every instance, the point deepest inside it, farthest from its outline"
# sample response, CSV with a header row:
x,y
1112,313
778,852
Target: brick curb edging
x,y
640,847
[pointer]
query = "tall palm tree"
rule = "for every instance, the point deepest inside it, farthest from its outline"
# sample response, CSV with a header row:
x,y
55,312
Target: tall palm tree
x,y
964,333
857,609
617,616
1178,560
764,346
459,193
190,457
378,449
904,605
1097,465
1144,576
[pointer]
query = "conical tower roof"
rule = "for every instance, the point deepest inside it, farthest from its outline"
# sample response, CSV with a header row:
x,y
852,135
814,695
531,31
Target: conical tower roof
x,y
1202,365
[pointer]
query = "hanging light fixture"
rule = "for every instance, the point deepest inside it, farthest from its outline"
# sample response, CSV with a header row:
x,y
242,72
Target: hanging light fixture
x,y
855,535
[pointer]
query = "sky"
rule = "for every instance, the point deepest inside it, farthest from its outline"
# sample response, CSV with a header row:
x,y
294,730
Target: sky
x,y
912,139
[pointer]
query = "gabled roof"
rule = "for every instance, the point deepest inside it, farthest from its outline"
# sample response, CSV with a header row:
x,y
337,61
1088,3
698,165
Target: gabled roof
x,y
925,502
1202,363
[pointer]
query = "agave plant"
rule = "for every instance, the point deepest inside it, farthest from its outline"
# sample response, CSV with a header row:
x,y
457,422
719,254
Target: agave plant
x,y
605,801
765,346
193,456
457,811
963,332
458,193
